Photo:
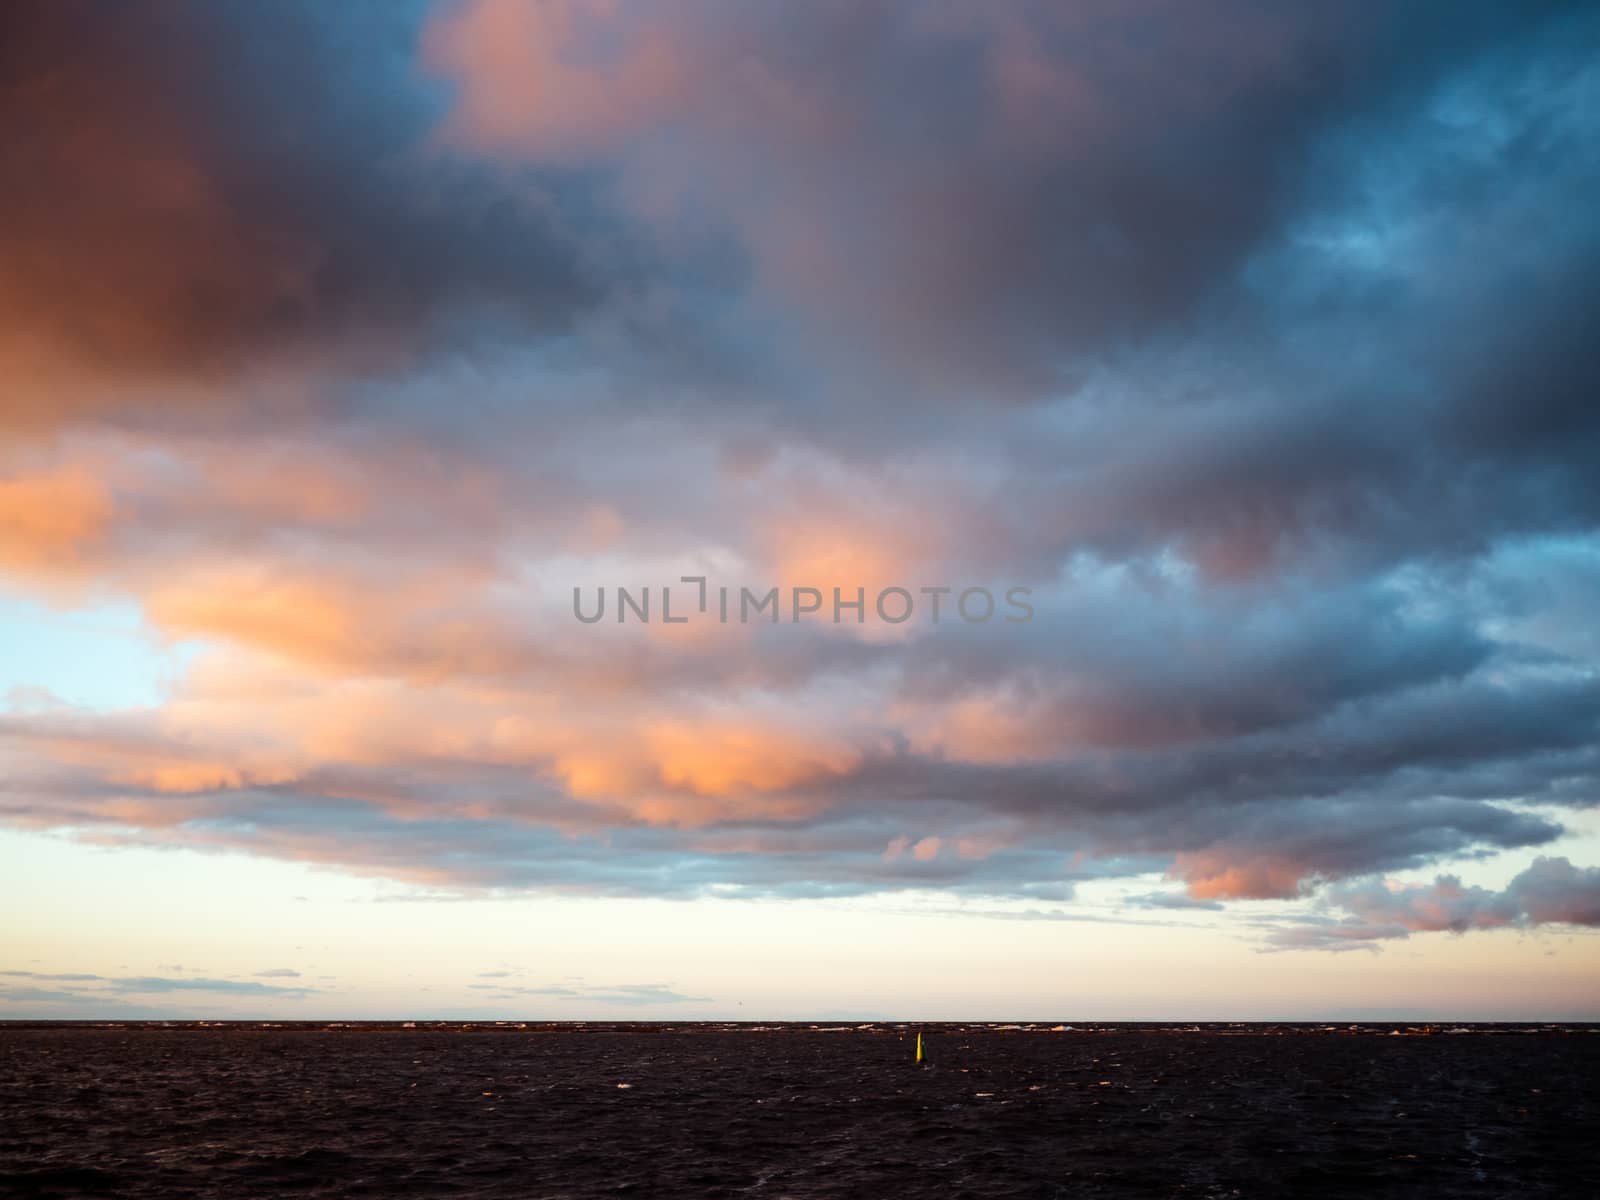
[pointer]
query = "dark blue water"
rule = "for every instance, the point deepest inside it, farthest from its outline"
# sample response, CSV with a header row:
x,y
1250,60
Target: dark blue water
x,y
242,1111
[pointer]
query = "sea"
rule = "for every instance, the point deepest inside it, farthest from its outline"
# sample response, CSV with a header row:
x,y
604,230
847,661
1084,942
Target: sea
x,y
756,1111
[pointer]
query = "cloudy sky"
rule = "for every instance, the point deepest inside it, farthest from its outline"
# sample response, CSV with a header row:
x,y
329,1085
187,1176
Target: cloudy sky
x,y
340,344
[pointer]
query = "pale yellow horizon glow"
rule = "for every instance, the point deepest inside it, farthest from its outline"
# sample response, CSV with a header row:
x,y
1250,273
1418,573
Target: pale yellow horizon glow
x,y
371,949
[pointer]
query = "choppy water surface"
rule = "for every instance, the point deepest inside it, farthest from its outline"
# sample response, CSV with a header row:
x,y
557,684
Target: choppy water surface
x,y
541,1111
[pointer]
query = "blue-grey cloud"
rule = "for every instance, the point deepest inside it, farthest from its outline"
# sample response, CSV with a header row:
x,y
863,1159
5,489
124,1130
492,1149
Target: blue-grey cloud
x,y
1173,900
235,987
1550,892
101,992
626,994
1276,386
29,995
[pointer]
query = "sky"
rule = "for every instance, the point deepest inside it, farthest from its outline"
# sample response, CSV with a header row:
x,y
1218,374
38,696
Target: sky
x,y
1150,455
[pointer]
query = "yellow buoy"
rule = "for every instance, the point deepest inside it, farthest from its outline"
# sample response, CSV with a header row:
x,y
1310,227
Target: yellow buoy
x,y
919,1047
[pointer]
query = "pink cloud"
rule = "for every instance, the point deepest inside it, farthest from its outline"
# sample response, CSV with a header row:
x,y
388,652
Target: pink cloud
x,y
566,80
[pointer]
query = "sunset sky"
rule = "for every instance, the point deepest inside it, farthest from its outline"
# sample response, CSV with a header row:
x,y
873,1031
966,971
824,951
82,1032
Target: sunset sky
x,y
341,342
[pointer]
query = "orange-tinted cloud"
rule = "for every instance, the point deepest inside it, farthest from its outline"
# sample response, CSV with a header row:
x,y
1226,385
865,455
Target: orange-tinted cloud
x,y
50,523
1220,874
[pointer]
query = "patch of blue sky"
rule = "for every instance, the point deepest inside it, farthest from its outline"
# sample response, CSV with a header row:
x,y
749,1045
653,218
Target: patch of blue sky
x,y
102,657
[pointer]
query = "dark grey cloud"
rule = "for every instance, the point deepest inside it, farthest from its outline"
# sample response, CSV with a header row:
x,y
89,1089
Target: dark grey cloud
x,y
201,191
1395,741
1275,383
1281,815
975,196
